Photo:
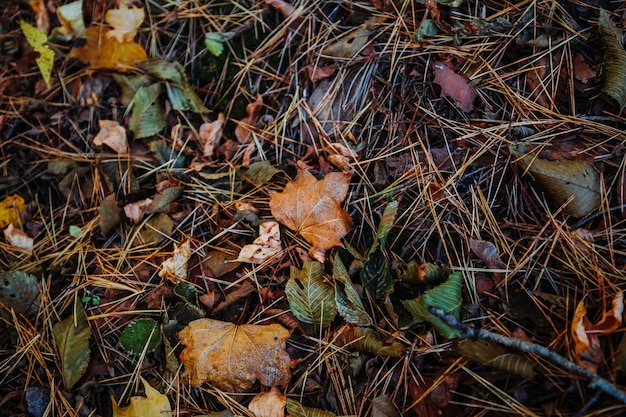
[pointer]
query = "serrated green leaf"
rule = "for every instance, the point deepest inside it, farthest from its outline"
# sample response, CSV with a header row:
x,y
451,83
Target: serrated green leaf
x,y
71,337
614,60
348,302
311,299
487,353
141,335
295,409
564,180
147,117
446,296
37,39
19,291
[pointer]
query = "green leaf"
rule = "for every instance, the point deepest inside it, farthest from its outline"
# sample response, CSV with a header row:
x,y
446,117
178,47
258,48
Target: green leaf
x,y
130,85
295,409
563,180
215,47
163,153
147,117
71,337
365,339
141,335
386,222
348,302
75,231
376,275
37,40
19,291
183,97
164,70
427,29
156,229
311,299
260,172
614,60
446,296
487,353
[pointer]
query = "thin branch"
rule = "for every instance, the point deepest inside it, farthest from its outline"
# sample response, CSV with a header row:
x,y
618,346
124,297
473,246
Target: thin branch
x,y
597,382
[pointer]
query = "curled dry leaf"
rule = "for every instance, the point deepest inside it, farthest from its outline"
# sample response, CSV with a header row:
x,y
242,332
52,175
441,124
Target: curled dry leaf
x,y
175,268
269,403
137,210
113,135
153,404
488,253
71,19
264,247
312,208
125,22
233,357
18,239
242,131
454,86
586,335
211,134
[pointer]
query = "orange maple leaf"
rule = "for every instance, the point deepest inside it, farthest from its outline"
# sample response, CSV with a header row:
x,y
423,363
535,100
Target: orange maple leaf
x,y
312,208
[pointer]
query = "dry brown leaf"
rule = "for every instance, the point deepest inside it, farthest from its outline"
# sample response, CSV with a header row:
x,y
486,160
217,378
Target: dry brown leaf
x,y
125,22
242,131
232,357
18,239
454,86
137,210
101,51
317,73
264,247
211,134
269,403
312,208
175,267
113,135
582,70
488,253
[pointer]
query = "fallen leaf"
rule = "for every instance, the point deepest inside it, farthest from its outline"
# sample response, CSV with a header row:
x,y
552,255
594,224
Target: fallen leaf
x,y
232,357
295,409
101,51
211,134
563,180
243,131
125,22
454,86
137,210
38,40
10,210
156,229
71,337
141,336
312,208
366,339
283,7
488,253
382,406
109,215
19,292
614,60
265,247
490,354
175,267
153,404
71,18
41,14
270,403
349,304
582,70
311,298
351,43
317,73
113,135
18,239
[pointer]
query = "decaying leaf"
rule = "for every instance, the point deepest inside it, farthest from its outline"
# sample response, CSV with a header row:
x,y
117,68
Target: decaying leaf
x,y
19,292
366,339
153,404
454,86
269,403
137,210
317,73
113,135
585,335
488,253
312,300
125,22
382,406
233,357
110,215
614,60
10,210
563,180
242,131
264,247
353,42
71,337
312,208
175,267
18,239
211,134
348,302
487,353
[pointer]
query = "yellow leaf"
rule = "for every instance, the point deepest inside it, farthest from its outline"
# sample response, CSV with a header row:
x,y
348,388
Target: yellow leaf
x,y
153,404
37,40
102,51
125,22
10,209
232,357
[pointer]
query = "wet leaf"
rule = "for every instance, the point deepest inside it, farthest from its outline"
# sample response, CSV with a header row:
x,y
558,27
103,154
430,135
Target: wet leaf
x,y
156,229
153,404
265,247
113,135
313,209
614,60
295,409
446,296
269,403
563,180
141,335
38,40
174,268
19,291
71,337
348,302
311,299
233,357
110,215
487,353
454,86
147,117
383,407
10,210
365,339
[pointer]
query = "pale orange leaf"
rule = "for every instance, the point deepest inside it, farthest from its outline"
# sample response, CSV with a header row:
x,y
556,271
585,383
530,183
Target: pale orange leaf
x,y
269,403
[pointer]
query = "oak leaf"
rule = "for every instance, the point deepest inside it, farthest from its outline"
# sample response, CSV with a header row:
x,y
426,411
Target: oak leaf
x,y
312,208
232,357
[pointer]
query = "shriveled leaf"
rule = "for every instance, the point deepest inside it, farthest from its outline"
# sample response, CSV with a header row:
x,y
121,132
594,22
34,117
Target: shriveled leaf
x,y
113,135
137,210
269,403
10,210
175,267
614,60
125,22
454,86
211,134
386,222
447,297
101,51
153,404
147,118
71,337
19,291
295,409
110,215
487,353
71,18
220,263
313,209
18,239
163,199
311,299
383,407
265,247
242,131
260,172
156,229
38,40
365,339
141,335
487,252
233,357
348,302
563,180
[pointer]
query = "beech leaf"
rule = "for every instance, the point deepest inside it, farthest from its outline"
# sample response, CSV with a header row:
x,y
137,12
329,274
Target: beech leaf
x,y
311,299
295,409
614,61
153,404
312,208
232,357
487,353
348,302
563,180
71,337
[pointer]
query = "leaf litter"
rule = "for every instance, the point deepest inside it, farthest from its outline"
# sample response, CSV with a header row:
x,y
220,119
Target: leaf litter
x,y
410,155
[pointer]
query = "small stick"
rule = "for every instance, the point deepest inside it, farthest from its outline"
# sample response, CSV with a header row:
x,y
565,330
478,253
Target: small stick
x,y
596,382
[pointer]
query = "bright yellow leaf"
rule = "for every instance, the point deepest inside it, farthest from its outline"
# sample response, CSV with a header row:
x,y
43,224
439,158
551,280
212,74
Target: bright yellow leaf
x,y
10,209
37,40
153,404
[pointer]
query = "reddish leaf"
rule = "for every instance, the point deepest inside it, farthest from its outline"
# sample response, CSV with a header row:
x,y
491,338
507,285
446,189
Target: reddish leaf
x,y
454,86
